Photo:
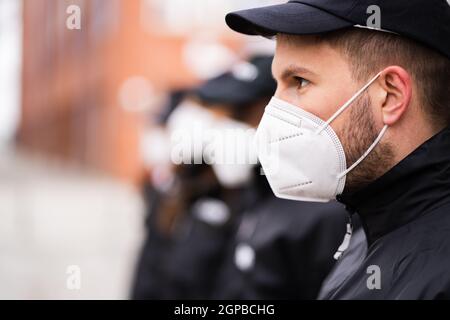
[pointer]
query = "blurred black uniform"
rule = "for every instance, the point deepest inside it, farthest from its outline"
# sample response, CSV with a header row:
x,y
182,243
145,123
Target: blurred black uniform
x,y
183,264
148,282
282,249
266,248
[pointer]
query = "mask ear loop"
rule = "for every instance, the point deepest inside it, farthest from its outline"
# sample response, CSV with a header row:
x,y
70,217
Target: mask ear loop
x,y
342,109
374,144
347,104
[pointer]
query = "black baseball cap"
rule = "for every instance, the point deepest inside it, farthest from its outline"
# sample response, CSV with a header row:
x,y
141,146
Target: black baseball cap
x,y
425,21
247,82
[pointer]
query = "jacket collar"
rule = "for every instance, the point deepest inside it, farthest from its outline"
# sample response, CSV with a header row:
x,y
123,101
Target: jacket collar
x,y
414,187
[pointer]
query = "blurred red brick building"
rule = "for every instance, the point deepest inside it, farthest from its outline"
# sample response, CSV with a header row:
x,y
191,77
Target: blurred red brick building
x,y
72,79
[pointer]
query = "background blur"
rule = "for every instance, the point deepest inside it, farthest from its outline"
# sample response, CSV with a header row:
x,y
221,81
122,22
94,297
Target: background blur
x,y
74,105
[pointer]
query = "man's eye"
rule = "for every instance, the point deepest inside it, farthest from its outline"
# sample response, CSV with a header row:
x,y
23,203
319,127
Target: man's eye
x,y
301,82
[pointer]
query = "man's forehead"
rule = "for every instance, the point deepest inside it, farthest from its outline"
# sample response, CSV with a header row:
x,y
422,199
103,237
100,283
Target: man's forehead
x,y
295,59
305,54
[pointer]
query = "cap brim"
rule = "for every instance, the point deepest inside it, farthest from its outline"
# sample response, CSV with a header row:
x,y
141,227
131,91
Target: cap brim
x,y
290,18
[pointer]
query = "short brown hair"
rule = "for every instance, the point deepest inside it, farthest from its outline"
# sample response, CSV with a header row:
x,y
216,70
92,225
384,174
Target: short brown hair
x,y
372,51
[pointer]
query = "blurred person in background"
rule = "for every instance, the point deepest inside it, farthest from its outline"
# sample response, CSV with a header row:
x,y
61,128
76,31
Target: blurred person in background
x,y
190,215
158,181
232,239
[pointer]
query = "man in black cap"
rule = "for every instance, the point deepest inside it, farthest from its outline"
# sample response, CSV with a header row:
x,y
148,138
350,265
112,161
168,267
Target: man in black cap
x,y
362,114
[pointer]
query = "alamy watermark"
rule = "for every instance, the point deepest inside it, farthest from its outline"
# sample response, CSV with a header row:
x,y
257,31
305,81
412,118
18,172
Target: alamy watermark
x,y
73,21
374,19
73,281
374,280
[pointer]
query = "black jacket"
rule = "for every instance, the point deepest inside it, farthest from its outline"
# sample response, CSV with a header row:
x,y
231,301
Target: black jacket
x,y
405,215
282,249
292,245
182,264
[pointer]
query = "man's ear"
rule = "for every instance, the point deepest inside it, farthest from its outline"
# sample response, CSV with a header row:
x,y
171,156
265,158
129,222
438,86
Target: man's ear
x,y
395,93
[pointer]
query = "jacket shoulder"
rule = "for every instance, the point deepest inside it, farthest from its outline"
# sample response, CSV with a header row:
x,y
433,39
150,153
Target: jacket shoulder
x,y
424,274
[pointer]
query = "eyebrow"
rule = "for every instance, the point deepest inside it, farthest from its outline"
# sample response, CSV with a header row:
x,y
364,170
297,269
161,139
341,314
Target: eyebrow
x,y
293,70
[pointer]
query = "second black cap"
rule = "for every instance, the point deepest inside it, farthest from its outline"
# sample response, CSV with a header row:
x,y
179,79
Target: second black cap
x,y
247,82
